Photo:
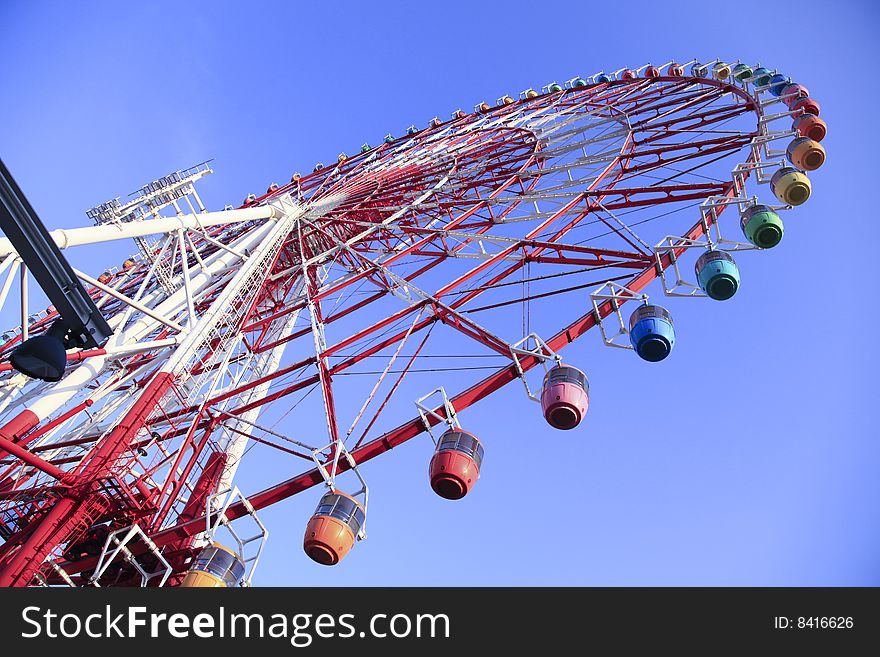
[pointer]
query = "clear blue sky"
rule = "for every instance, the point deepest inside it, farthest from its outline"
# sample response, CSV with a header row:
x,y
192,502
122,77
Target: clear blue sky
x,y
749,457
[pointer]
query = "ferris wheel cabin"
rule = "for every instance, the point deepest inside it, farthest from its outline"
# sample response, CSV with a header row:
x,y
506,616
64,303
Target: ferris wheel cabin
x,y
455,466
651,332
810,125
808,105
717,274
790,186
805,154
761,76
565,397
216,566
333,527
777,83
742,72
762,226
721,71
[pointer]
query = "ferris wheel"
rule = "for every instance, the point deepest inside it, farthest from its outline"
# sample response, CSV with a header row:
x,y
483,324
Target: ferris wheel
x,y
388,291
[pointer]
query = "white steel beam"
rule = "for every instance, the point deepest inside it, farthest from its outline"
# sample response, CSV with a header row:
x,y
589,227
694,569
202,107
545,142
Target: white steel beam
x,y
68,237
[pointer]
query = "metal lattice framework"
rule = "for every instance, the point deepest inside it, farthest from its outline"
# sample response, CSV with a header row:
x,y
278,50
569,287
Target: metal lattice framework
x,y
337,290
